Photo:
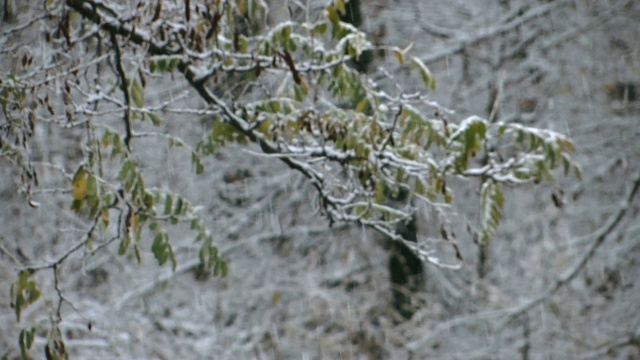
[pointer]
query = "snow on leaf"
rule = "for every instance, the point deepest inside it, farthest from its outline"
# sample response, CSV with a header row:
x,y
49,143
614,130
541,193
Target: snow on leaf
x,y
466,140
427,76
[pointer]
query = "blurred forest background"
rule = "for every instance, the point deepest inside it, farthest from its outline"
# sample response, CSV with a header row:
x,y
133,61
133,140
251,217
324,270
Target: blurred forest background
x,y
299,289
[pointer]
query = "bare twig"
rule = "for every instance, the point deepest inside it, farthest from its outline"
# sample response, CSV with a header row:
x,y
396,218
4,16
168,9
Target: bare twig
x,y
599,238
125,90
389,138
9,32
82,242
9,253
513,313
61,297
463,42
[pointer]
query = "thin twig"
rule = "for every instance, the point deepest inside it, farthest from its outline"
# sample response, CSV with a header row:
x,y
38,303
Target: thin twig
x,y
82,242
599,238
465,41
392,130
125,90
9,253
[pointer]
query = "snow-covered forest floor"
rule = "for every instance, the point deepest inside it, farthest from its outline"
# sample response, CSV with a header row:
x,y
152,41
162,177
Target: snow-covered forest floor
x,y
298,289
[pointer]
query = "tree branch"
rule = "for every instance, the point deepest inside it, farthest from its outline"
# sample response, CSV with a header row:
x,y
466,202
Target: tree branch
x,y
125,90
465,41
599,238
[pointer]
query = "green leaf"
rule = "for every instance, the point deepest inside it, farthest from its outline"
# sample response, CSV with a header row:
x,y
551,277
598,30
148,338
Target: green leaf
x,y
156,120
565,145
162,250
172,257
400,53
124,244
76,205
320,29
379,195
168,204
566,165
448,195
197,164
491,212
159,248
578,171
332,15
173,64
225,268
24,292
79,191
427,77
286,34
130,181
291,45
179,210
362,106
117,146
340,6
137,93
224,132
148,200
136,250
127,168
93,202
213,254
243,44
220,269
25,341
162,65
467,140
554,147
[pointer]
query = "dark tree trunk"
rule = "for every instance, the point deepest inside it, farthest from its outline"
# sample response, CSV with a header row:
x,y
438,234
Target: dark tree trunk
x,y
483,258
406,271
353,16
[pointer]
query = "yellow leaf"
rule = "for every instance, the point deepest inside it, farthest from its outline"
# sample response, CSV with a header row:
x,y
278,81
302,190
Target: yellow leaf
x,y
566,145
340,6
105,218
362,105
155,119
264,126
79,191
275,298
241,6
135,223
427,77
333,16
399,55
137,252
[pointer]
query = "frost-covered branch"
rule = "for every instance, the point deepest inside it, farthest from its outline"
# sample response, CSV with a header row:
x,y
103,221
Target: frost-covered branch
x,y
598,238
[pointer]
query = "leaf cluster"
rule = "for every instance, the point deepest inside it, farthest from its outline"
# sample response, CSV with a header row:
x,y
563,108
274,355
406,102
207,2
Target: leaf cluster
x,y
288,88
